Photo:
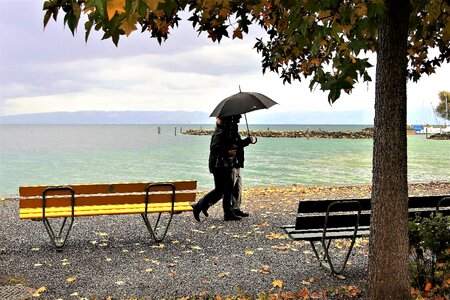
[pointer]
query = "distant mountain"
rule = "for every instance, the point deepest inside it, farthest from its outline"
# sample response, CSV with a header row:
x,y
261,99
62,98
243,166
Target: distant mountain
x,y
109,117
185,117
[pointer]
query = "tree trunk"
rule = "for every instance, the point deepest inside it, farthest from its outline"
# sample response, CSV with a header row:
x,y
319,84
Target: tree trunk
x,y
388,256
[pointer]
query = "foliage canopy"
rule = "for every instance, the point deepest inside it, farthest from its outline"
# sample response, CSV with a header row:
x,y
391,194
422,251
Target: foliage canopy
x,y
324,40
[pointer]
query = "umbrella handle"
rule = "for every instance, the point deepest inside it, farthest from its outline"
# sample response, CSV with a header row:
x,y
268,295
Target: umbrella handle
x,y
248,130
246,123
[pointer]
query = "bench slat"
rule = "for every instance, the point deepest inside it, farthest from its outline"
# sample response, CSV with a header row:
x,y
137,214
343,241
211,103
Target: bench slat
x,y
340,221
53,212
314,206
291,229
311,236
108,199
335,221
106,188
427,201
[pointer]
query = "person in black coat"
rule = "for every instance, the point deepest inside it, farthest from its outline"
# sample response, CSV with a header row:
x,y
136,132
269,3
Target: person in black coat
x,y
222,159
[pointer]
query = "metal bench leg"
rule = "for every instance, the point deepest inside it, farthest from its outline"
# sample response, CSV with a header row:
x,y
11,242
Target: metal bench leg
x,y
158,224
327,263
154,229
331,267
58,240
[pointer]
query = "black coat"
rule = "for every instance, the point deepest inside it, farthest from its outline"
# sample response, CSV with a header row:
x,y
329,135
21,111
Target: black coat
x,y
221,143
240,144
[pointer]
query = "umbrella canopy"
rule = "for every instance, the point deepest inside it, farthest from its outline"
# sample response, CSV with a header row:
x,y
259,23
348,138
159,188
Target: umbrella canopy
x,y
242,103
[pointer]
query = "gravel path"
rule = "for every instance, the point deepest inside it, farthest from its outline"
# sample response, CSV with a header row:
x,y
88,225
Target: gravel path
x,y
113,256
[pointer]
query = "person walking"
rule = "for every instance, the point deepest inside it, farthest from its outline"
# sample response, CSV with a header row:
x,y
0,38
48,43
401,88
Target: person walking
x,y
222,159
237,179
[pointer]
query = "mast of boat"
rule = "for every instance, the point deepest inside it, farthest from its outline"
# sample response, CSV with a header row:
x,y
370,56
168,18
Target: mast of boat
x,y
446,109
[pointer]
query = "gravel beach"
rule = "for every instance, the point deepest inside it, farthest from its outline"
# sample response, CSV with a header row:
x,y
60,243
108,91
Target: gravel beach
x,y
114,256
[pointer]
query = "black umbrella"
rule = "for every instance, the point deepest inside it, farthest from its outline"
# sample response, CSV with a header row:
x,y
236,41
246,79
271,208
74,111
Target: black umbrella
x,y
242,103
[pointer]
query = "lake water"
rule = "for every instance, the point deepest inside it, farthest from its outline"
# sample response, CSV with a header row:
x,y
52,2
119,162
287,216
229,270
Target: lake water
x,y
64,154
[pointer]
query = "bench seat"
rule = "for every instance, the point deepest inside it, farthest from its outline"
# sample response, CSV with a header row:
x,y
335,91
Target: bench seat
x,y
332,233
94,210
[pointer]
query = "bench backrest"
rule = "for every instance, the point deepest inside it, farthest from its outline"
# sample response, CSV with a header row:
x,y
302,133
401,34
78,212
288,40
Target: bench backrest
x,y
105,194
342,213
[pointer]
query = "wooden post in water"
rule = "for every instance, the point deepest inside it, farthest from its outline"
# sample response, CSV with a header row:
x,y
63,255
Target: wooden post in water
x,y
175,130
159,130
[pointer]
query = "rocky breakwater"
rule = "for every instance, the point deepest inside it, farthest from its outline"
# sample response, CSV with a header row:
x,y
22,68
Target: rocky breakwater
x,y
440,136
366,133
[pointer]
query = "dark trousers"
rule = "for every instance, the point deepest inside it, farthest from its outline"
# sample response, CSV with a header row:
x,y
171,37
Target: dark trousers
x,y
223,188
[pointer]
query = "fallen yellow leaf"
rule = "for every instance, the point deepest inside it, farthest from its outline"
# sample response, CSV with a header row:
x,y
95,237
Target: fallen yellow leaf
x,y
71,279
277,283
149,270
74,294
39,291
224,274
249,252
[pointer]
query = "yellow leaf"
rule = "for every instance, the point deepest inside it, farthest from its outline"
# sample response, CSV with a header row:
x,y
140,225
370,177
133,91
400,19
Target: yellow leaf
x,y
120,282
113,6
152,4
361,10
74,294
224,274
149,270
249,252
196,247
102,234
71,279
39,291
35,249
277,283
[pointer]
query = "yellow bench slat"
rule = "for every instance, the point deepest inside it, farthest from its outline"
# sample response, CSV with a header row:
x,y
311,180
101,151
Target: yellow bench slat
x,y
184,196
54,212
108,188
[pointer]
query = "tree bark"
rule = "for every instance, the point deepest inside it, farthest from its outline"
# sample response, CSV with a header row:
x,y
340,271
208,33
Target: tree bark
x,y
388,256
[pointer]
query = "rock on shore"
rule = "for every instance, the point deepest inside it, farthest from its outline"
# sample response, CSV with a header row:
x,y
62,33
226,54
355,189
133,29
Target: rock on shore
x,y
366,133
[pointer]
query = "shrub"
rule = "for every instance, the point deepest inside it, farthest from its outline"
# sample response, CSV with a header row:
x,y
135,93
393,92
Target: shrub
x,y
429,240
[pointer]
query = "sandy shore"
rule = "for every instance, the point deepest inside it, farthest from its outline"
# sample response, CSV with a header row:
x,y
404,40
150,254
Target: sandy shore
x,y
113,256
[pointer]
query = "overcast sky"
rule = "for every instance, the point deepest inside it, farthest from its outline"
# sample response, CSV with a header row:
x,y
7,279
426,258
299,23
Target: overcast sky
x,y
51,70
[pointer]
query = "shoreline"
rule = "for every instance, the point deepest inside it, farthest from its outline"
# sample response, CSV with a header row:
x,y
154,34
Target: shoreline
x,y
366,133
414,189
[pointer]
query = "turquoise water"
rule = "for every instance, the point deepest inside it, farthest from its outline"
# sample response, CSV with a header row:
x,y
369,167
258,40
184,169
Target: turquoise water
x,y
60,154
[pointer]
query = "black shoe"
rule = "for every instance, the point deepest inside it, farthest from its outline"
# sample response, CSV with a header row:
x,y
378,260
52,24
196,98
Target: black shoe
x,y
232,217
196,211
205,210
240,213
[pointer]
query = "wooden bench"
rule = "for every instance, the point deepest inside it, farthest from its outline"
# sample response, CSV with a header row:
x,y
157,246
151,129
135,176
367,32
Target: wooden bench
x,y
70,201
325,220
